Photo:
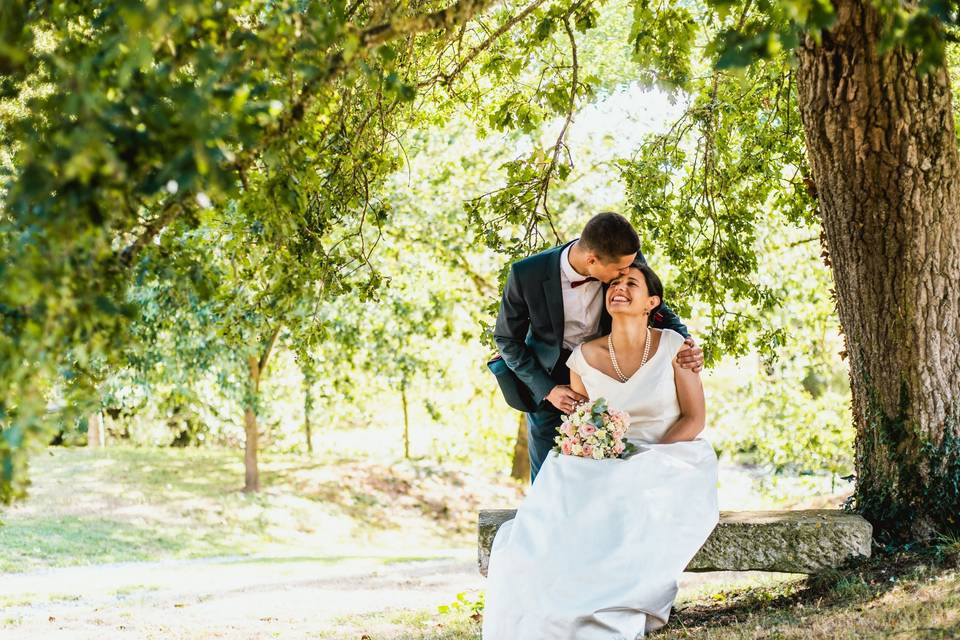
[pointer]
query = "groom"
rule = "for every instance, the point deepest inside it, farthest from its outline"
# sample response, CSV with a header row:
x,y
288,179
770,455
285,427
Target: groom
x,y
553,301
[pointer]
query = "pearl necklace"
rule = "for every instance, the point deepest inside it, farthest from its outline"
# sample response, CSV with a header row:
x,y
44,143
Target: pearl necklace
x,y
613,355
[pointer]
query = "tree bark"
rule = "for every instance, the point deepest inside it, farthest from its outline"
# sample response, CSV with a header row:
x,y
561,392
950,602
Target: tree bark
x,y
95,434
255,367
883,152
251,468
521,452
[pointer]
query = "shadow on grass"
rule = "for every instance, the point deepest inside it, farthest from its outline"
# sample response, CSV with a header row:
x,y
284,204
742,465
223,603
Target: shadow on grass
x,y
381,497
848,590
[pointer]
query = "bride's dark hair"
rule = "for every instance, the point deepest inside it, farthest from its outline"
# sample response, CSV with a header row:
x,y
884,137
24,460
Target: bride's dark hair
x,y
654,286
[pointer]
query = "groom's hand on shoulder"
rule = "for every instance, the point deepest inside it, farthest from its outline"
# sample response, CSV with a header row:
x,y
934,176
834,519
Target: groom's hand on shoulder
x,y
564,398
690,356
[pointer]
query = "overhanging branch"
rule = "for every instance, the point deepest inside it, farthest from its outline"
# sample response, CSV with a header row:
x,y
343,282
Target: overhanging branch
x,y
456,14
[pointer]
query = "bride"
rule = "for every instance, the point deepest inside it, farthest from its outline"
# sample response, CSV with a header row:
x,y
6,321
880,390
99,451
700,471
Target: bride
x,y
597,545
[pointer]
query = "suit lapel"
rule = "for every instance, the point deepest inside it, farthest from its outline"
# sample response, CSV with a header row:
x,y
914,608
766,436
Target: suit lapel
x,y
554,295
553,292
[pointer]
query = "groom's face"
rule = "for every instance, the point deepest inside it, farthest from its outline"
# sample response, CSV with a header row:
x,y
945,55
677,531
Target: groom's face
x,y
605,271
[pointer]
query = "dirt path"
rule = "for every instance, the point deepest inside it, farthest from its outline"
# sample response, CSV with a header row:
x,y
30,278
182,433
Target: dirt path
x,y
249,598
224,597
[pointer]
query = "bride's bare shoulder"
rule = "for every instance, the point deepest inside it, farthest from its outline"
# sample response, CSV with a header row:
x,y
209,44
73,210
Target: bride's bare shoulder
x,y
660,336
595,346
671,337
594,350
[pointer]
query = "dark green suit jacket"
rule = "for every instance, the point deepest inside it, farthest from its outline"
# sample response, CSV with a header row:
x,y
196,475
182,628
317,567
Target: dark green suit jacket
x,y
529,330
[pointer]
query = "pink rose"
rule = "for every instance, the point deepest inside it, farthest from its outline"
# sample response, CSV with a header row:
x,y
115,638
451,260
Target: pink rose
x,y
568,429
587,451
566,446
587,430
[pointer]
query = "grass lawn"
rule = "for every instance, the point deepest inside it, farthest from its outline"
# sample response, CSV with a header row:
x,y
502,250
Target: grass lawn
x,y
125,504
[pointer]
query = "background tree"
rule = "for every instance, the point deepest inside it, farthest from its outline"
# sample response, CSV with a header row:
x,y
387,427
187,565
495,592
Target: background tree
x,y
137,119
883,151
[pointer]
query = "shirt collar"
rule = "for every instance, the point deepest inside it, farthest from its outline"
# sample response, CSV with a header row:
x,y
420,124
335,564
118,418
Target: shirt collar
x,y
566,269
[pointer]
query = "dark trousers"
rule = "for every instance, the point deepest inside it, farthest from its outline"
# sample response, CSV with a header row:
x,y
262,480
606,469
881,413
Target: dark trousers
x,y
542,424
541,430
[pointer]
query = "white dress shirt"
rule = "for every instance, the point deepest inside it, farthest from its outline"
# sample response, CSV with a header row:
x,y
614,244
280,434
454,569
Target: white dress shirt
x,y
581,306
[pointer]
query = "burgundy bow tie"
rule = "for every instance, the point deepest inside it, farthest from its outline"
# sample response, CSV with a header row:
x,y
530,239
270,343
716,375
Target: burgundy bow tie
x,y
576,283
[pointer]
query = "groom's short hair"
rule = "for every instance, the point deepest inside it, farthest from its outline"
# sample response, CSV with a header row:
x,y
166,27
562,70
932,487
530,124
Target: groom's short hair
x,y
610,236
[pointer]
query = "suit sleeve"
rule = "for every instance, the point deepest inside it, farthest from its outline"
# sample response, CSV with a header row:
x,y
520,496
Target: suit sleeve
x,y
510,332
665,318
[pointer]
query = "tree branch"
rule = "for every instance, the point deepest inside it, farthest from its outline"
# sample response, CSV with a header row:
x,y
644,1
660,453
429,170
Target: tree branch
x,y
353,8
171,210
454,15
477,50
268,348
335,63
563,131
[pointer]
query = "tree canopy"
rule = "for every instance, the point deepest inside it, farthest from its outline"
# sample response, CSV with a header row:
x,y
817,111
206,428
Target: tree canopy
x,y
218,170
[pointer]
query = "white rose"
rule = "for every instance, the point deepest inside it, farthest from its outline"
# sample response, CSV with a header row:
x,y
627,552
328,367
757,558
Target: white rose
x,y
597,453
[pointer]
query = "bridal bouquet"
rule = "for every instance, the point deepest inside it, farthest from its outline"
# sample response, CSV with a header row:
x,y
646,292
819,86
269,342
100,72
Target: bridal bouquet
x,y
594,431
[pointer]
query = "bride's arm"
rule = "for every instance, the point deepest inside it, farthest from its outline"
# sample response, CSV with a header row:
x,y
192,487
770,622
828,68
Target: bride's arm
x,y
693,411
577,384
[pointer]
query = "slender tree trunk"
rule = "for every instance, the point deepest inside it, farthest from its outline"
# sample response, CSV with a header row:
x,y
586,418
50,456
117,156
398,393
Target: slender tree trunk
x,y
255,367
406,420
309,379
883,152
251,468
95,434
521,452
306,422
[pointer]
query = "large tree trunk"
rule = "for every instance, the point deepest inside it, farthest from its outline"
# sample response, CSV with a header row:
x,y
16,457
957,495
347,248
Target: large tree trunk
x,y
521,452
882,148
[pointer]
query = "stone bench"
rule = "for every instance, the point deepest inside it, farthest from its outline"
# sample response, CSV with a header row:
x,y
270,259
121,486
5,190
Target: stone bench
x,y
804,541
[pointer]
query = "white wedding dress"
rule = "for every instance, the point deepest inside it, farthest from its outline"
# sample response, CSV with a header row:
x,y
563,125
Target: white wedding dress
x,y
597,545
